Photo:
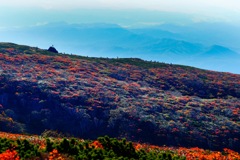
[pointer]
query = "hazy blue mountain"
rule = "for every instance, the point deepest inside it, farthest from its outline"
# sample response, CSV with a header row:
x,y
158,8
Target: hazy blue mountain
x,y
178,47
196,45
217,50
206,33
98,37
156,32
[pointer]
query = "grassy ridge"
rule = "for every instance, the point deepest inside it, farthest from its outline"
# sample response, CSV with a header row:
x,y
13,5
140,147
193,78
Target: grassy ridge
x,y
133,61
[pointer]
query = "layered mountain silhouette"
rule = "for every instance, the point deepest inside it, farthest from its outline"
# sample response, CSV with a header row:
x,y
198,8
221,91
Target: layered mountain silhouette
x,y
165,43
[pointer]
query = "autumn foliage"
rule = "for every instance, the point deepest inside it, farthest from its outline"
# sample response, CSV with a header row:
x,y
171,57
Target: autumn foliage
x,y
9,155
102,148
151,102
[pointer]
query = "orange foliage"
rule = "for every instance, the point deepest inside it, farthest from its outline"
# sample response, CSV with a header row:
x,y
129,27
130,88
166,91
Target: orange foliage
x,y
9,155
96,144
54,155
201,154
194,153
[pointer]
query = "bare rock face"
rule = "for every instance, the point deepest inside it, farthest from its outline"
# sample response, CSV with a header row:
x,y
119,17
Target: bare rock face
x,y
52,49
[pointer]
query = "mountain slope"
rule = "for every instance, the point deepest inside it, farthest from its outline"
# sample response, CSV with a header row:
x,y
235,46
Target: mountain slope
x,y
143,101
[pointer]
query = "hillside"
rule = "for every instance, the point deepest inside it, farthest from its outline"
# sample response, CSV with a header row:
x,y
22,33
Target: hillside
x,y
151,102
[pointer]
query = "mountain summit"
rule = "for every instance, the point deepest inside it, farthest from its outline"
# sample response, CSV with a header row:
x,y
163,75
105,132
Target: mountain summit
x,y
218,50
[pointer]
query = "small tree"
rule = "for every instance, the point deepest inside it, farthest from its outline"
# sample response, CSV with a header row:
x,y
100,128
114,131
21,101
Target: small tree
x,y
52,49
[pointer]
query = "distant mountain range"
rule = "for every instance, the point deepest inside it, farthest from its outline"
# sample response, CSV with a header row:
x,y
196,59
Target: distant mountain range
x,y
196,45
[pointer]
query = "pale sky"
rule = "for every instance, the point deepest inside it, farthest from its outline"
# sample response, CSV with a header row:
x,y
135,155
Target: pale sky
x,y
220,10
163,5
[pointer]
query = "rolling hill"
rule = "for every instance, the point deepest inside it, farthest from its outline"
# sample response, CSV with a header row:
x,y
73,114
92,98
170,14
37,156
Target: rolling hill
x,y
142,101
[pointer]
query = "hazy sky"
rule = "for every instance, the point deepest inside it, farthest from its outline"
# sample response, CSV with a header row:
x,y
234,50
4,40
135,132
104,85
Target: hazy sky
x,y
163,5
221,10
14,11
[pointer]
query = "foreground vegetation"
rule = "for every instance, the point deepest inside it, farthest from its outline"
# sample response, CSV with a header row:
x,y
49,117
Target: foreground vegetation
x,y
18,146
102,148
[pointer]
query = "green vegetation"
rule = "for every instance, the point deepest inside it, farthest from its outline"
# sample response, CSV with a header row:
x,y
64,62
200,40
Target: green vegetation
x,y
24,148
103,148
